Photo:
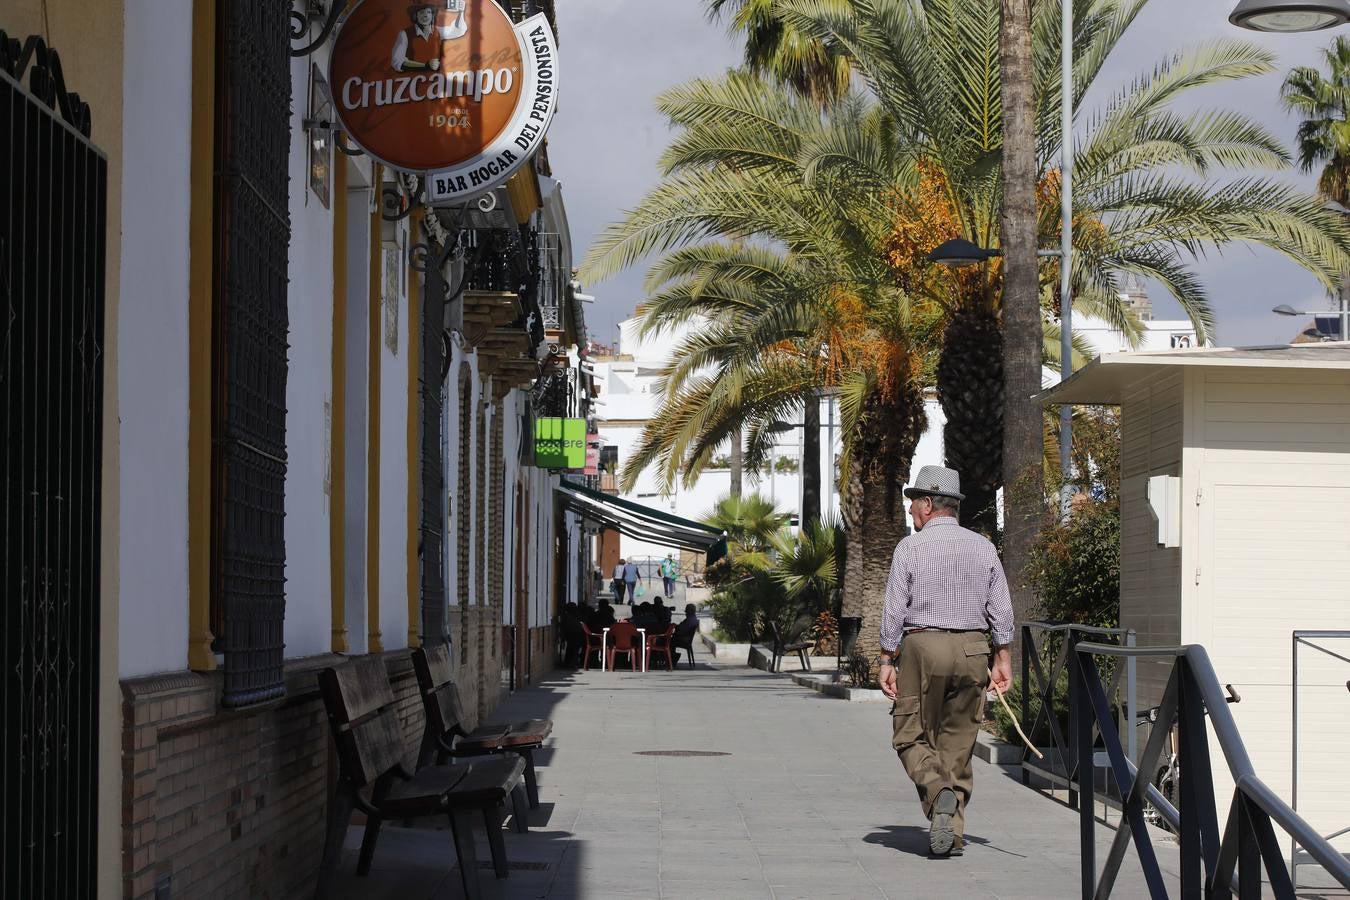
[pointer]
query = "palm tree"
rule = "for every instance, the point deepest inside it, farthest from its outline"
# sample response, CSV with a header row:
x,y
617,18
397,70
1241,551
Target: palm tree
x,y
934,66
750,522
805,300
1323,102
780,52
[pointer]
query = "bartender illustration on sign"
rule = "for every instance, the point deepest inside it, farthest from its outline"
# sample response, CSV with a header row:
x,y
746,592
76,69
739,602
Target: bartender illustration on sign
x,y
418,47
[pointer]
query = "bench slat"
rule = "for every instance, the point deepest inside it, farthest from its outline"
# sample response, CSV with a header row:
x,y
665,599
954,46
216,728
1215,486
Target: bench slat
x,y
363,684
368,734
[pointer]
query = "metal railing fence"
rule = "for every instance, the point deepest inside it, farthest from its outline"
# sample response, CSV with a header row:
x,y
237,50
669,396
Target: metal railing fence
x,y
1214,863
1058,640
1306,639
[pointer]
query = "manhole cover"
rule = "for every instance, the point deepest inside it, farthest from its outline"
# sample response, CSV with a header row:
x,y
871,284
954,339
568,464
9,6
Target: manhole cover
x,y
679,753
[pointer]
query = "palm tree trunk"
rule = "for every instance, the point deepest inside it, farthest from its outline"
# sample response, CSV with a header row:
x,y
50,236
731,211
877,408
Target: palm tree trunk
x,y
970,389
874,518
810,461
877,525
736,474
1023,440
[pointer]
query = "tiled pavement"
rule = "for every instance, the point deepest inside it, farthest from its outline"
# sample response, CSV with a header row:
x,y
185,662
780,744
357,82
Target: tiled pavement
x,y
809,801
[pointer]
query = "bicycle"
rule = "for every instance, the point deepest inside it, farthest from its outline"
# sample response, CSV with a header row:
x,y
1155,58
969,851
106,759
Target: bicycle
x,y
1167,779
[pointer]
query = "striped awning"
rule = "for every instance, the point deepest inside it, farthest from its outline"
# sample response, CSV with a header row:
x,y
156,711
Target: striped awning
x,y
643,522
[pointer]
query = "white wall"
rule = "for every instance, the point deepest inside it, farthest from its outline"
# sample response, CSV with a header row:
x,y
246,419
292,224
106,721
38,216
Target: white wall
x,y
357,432
152,339
473,590
454,591
510,475
1269,453
309,394
394,472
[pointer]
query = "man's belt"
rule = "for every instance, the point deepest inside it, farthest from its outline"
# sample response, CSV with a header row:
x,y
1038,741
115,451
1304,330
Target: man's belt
x,y
909,631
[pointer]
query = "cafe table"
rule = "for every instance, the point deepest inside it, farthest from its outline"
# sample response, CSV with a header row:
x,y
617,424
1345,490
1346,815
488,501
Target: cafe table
x,y
604,643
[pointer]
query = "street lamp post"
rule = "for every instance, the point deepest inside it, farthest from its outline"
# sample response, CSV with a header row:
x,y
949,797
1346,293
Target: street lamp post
x,y
1066,247
1343,313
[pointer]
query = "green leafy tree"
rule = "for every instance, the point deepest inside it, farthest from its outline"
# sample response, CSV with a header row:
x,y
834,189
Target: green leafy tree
x,y
1322,101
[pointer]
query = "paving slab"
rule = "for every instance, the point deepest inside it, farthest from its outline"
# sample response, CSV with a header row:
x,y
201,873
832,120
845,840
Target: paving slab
x,y
787,793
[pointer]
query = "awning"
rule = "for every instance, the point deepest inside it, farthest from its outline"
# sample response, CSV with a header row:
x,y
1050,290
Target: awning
x,y
642,522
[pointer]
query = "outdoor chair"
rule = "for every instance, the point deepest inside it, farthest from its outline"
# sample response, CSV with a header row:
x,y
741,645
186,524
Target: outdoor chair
x,y
684,642
445,735
624,638
372,753
594,644
658,646
781,647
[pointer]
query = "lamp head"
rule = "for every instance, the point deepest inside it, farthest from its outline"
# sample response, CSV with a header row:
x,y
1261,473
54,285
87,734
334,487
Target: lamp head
x,y
960,252
1290,16
1284,309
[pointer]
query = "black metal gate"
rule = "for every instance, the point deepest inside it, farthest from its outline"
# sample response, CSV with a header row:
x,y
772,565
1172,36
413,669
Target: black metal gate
x,y
252,241
52,218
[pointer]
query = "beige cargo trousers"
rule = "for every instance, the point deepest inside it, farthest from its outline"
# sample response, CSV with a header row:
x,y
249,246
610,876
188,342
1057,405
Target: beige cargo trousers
x,y
939,704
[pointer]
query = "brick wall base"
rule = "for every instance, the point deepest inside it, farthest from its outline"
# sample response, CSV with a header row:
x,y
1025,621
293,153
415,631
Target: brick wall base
x,y
231,803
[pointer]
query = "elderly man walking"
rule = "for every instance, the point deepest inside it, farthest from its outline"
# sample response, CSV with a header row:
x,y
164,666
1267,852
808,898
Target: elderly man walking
x,y
947,597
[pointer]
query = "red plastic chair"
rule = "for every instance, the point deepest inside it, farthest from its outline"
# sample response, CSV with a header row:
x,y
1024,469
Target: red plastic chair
x,y
658,645
594,644
624,638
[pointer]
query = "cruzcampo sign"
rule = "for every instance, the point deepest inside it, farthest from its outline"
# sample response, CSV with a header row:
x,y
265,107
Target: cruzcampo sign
x,y
451,90
560,443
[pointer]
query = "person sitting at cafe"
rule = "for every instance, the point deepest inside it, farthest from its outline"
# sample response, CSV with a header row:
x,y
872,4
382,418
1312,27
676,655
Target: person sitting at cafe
x,y
605,619
643,616
661,612
685,631
569,622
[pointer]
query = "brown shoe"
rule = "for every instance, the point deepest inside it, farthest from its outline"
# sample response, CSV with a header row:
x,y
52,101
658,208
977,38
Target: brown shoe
x,y
941,833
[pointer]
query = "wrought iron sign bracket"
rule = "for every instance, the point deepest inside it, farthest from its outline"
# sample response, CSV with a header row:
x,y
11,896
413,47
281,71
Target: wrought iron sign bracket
x,y
325,13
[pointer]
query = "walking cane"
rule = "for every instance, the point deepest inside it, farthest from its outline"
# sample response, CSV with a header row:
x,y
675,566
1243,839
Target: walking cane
x,y
1016,724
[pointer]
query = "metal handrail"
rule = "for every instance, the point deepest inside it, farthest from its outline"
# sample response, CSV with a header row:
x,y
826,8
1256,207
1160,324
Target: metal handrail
x,y
1062,749
1209,857
1306,638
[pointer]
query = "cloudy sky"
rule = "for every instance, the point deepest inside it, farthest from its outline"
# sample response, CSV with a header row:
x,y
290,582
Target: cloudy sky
x,y
617,55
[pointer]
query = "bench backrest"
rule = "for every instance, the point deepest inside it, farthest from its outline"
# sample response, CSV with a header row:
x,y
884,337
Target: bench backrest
x,y
435,681
361,713
777,635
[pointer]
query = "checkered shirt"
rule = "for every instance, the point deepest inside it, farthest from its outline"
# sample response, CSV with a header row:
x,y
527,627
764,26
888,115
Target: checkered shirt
x,y
946,576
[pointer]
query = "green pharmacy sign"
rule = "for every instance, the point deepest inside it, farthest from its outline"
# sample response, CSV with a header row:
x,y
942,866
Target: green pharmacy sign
x,y
560,443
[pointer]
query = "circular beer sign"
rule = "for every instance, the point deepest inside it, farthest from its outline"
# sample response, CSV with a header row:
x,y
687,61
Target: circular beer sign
x,y
449,88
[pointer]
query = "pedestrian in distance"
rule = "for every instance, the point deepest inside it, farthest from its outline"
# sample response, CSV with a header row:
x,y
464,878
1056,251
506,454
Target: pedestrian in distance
x,y
946,599
617,581
668,572
630,579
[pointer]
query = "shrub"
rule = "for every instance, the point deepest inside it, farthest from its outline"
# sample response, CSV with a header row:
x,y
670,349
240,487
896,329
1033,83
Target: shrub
x,y
826,634
1074,568
860,671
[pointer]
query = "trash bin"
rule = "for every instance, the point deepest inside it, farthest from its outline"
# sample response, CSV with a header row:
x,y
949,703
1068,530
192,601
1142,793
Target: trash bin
x,y
849,629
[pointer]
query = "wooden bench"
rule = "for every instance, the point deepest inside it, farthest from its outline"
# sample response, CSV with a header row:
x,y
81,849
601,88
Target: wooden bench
x,y
446,736
781,647
372,754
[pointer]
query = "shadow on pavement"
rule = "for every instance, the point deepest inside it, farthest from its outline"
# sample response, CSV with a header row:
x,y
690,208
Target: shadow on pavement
x,y
913,839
